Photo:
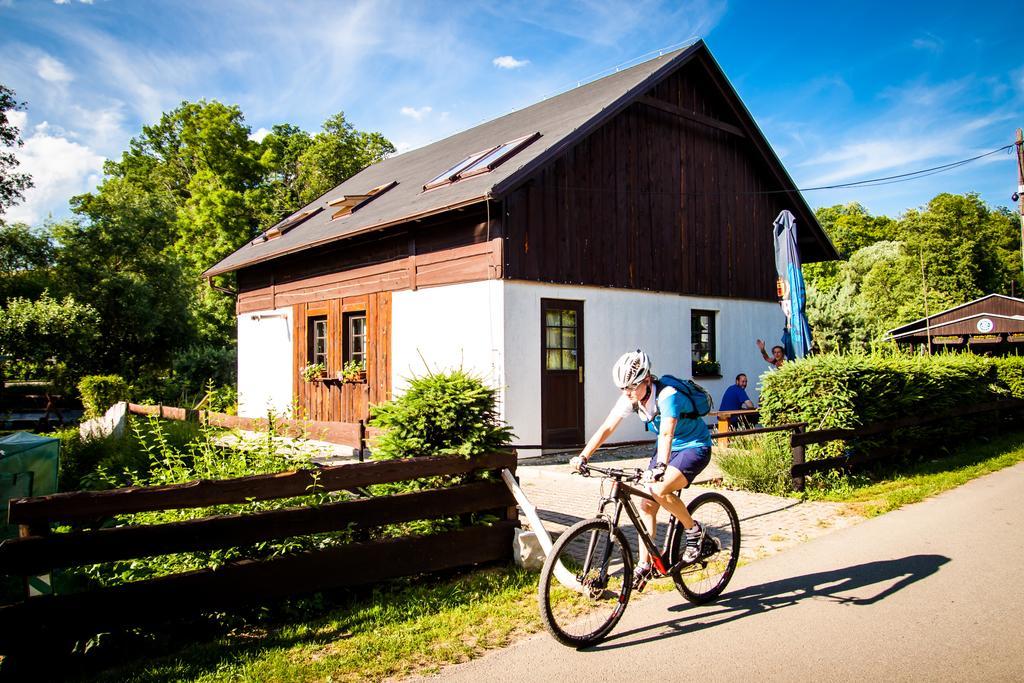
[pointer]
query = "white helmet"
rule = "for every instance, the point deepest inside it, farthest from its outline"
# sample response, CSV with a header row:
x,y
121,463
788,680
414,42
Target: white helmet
x,y
631,368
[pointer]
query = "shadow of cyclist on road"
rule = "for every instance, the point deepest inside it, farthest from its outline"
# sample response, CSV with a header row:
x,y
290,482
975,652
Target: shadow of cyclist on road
x,y
862,584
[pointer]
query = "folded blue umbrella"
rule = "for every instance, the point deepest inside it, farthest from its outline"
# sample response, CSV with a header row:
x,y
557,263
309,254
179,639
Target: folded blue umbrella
x,y
796,335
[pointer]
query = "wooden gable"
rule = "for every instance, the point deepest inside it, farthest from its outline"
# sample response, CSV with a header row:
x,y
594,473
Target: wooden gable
x,y
676,194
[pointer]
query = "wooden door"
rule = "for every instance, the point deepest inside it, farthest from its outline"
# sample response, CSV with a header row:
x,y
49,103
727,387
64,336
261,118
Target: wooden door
x,y
561,363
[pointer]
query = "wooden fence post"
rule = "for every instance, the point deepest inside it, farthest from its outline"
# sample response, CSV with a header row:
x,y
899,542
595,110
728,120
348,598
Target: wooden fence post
x,y
362,440
799,457
41,584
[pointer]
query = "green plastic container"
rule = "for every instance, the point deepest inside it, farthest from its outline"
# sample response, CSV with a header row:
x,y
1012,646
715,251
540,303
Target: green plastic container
x,y
28,467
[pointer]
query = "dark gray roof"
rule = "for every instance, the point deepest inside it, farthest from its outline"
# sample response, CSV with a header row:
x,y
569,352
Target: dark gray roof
x,y
556,119
561,121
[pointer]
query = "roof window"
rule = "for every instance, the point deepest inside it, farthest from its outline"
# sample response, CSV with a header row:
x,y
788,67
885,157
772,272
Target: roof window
x,y
346,204
481,162
287,224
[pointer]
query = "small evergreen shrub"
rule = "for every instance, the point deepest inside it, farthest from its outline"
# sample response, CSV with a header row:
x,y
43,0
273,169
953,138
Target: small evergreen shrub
x,y
99,392
451,413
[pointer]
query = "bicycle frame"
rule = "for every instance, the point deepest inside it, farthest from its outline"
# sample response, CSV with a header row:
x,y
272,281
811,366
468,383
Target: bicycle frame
x,y
621,496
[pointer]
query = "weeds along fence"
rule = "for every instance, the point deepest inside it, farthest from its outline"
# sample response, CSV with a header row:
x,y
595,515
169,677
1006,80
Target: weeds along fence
x,y
39,550
354,434
800,438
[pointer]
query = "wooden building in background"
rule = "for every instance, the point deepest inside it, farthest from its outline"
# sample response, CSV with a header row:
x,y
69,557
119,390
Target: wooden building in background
x,y
633,211
993,324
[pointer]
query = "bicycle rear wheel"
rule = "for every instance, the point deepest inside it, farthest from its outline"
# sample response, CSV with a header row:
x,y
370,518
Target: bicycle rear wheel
x,y
703,580
598,565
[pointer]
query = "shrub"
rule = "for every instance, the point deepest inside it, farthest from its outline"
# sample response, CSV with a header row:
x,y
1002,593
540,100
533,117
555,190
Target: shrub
x,y
223,399
99,392
83,459
47,338
833,391
451,413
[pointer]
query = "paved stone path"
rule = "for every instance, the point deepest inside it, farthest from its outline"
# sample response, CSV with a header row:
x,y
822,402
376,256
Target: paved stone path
x,y
768,523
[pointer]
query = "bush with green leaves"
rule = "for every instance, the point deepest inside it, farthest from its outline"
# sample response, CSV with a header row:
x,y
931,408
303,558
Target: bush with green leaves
x,y
49,338
198,366
99,392
100,462
444,413
847,391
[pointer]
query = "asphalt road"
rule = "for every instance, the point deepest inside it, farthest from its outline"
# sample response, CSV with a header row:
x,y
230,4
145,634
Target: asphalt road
x,y
934,591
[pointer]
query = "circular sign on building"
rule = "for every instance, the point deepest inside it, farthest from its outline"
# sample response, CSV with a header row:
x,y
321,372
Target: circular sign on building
x,y
985,325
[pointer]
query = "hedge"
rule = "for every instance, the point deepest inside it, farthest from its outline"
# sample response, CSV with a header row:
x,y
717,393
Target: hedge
x,y
834,391
99,392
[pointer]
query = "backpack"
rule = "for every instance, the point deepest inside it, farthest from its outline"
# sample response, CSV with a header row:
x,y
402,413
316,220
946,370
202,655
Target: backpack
x,y
699,397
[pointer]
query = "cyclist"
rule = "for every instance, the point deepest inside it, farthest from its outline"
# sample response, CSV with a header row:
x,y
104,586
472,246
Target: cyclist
x,y
683,451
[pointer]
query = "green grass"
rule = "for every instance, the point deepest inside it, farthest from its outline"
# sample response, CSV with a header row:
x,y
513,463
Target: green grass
x,y
391,631
888,490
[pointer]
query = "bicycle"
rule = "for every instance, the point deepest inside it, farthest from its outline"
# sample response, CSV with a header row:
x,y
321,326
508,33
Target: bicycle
x,y
587,578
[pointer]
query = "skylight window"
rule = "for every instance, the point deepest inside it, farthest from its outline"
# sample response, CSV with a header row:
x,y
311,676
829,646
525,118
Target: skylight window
x,y
496,156
481,162
452,174
346,204
287,224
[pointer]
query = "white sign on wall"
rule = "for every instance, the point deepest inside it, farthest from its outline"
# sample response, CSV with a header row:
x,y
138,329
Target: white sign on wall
x,y
985,325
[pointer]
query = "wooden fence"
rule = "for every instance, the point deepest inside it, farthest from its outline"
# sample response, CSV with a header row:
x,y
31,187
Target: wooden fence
x,y
801,438
354,434
38,550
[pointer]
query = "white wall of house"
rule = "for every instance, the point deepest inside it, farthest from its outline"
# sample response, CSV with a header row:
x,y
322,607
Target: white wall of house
x,y
616,321
265,362
448,327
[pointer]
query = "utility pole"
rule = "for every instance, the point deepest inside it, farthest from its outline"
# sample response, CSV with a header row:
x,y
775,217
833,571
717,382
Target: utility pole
x,y
1020,189
927,315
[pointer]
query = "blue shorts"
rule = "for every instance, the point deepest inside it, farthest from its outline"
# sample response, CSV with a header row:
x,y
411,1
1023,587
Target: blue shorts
x,y
689,461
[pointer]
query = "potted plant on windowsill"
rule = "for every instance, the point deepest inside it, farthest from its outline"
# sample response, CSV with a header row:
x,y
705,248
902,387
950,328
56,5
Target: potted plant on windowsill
x,y
314,372
706,368
353,372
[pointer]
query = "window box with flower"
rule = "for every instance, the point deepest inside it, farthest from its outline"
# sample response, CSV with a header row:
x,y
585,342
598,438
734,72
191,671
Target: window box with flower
x,y
353,372
706,368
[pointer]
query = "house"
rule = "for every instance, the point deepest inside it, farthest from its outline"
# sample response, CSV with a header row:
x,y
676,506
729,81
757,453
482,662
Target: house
x,y
993,324
534,249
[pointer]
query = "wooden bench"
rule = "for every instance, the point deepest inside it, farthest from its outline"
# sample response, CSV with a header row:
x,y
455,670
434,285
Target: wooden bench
x,y
724,416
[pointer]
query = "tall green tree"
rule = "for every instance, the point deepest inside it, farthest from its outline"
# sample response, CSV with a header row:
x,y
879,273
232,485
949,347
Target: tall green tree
x,y
188,191
12,183
954,249
26,261
850,227
336,153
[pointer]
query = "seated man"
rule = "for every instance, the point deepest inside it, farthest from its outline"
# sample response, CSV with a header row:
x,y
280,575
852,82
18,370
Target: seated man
x,y
735,398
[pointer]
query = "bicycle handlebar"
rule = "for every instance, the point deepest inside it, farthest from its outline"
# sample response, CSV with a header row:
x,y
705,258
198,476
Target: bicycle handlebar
x,y
630,475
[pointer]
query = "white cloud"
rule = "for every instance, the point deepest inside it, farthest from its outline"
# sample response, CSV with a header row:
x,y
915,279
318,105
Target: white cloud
x,y
53,70
60,169
258,134
930,43
18,119
417,114
509,62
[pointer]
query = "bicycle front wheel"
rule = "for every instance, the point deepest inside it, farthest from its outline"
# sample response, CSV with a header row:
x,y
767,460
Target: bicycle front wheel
x,y
703,580
585,583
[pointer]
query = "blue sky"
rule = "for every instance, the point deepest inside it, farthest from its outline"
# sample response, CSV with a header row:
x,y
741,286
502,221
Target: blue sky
x,y
843,91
